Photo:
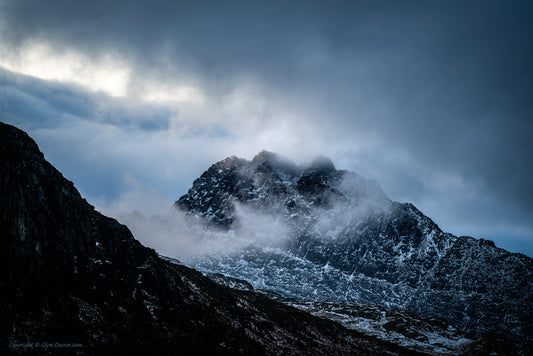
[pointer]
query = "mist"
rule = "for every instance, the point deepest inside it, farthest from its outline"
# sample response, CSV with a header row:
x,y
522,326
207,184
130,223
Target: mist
x,y
265,224
174,233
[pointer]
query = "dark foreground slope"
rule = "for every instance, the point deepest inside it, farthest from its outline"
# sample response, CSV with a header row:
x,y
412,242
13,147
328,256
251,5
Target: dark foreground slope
x,y
73,278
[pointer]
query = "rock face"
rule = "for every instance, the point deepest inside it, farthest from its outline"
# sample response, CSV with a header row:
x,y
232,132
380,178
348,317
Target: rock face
x,y
348,242
71,277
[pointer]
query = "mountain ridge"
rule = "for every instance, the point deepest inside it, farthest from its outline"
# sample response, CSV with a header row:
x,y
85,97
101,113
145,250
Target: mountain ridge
x,y
350,243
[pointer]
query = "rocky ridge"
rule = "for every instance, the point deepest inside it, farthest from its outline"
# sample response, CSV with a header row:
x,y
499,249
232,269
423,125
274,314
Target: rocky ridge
x,y
349,243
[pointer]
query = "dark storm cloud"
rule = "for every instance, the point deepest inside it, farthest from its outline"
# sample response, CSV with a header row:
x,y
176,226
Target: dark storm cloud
x,y
445,86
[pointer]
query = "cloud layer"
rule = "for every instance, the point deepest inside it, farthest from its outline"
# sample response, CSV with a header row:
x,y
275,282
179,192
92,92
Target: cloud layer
x,y
431,99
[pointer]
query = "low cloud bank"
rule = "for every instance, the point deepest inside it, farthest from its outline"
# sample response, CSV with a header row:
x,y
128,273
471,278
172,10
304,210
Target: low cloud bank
x,y
159,224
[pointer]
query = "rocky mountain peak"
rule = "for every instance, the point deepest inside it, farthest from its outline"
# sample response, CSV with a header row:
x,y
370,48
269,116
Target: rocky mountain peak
x,y
265,156
272,163
348,242
321,164
273,183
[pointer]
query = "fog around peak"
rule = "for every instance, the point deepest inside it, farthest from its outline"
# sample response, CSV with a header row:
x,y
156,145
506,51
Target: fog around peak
x,y
269,221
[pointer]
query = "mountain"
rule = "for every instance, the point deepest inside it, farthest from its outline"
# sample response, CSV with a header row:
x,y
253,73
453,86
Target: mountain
x,y
71,278
345,241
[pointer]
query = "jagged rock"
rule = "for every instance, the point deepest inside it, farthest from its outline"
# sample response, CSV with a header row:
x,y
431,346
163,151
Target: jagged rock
x,y
349,243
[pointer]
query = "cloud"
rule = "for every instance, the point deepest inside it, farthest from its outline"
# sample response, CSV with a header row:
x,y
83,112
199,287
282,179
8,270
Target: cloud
x,y
134,197
173,233
431,99
109,73
43,61
161,143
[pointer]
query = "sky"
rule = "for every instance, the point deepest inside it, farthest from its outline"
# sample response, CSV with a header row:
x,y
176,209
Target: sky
x,y
133,100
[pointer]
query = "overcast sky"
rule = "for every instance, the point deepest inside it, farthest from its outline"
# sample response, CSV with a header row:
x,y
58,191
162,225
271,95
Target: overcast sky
x,y
132,100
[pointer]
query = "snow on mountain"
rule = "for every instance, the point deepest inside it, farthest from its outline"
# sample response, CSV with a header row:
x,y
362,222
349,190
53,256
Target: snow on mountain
x,y
321,234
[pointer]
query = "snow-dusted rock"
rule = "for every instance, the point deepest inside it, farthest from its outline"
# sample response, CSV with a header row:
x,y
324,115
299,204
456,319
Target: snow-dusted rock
x,y
347,242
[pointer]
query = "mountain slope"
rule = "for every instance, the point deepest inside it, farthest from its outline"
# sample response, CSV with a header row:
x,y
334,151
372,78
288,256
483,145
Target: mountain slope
x,y
71,277
347,242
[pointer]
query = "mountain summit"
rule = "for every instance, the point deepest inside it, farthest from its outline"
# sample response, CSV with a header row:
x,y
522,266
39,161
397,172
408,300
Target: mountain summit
x,y
346,241
273,183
